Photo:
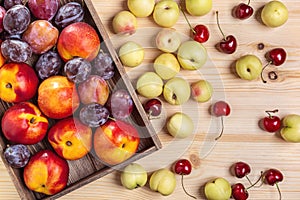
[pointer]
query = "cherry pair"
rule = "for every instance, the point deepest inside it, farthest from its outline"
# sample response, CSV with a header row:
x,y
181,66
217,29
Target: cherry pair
x,y
242,169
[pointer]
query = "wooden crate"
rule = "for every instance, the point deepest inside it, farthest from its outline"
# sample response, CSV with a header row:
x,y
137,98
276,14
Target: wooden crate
x,y
89,168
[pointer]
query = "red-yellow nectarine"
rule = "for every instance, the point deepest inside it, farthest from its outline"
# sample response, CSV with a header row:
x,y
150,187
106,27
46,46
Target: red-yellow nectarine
x,y
58,97
116,141
46,173
70,138
24,123
78,39
18,82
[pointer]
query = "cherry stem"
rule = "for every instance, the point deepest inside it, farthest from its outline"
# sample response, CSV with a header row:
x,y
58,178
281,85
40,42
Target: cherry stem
x,y
218,23
249,180
221,133
252,185
271,111
277,186
186,19
248,2
261,74
185,189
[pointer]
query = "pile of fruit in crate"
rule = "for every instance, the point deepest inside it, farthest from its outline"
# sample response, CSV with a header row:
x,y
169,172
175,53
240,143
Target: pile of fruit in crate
x,y
54,81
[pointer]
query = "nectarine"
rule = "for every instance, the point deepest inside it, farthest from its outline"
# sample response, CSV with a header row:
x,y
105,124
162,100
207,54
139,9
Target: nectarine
x,y
41,35
58,97
46,173
78,39
24,123
18,82
70,138
116,141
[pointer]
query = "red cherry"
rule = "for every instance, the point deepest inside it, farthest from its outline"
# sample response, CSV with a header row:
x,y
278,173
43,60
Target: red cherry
x,y
271,123
220,109
183,167
239,192
273,177
276,56
153,107
243,11
241,169
228,44
201,33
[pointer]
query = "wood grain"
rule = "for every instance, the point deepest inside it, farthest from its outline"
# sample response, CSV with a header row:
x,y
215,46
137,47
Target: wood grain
x,y
243,139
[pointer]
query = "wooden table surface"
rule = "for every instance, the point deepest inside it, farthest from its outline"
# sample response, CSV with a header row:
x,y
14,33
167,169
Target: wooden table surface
x,y
243,140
